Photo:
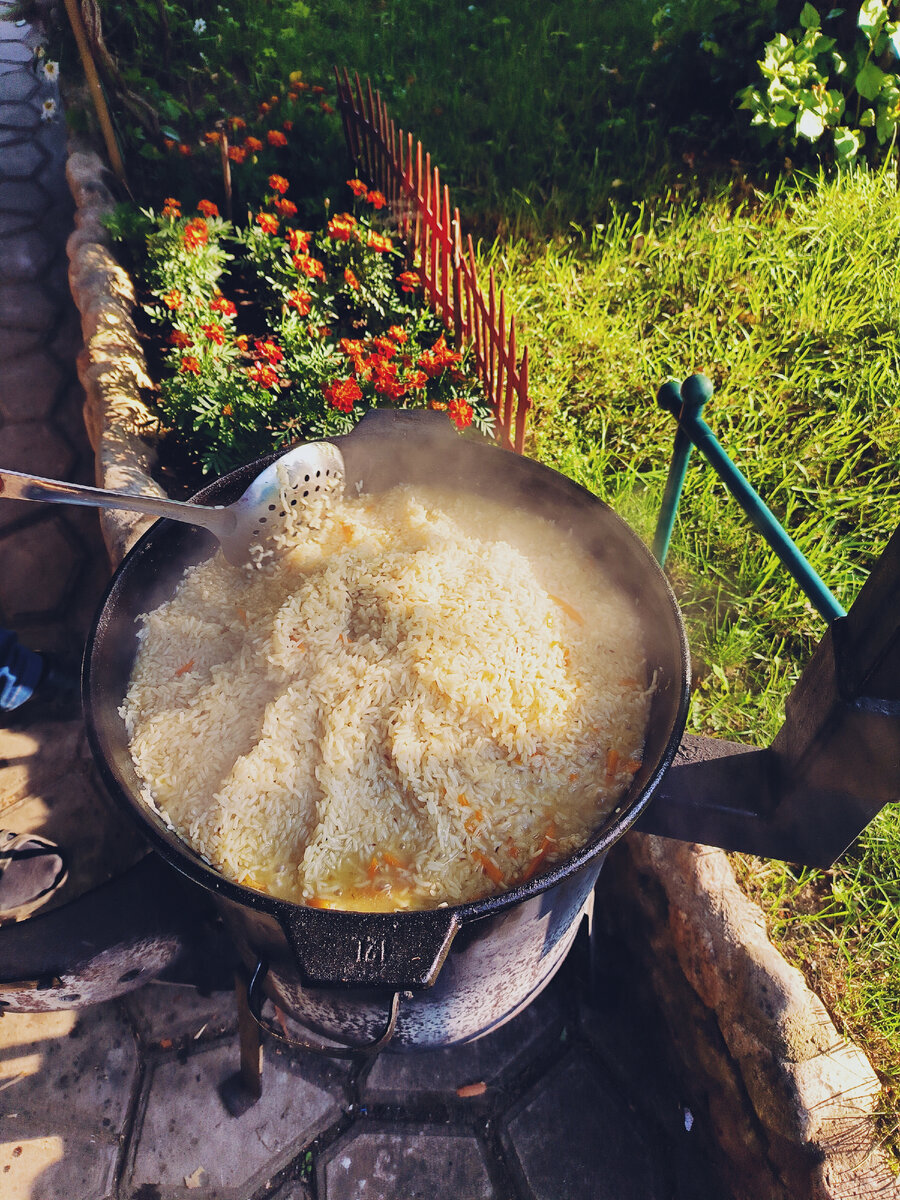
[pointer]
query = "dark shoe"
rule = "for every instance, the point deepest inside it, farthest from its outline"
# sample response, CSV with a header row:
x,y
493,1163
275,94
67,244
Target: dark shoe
x,y
32,869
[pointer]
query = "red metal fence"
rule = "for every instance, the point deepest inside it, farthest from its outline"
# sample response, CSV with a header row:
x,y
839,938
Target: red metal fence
x,y
398,168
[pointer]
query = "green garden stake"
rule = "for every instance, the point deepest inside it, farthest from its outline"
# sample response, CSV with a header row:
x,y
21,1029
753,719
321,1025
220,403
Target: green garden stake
x,y
686,404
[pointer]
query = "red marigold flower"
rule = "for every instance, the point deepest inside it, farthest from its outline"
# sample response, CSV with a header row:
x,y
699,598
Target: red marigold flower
x,y
288,126
310,267
298,239
189,365
173,299
184,150
172,207
279,184
326,107
317,90
276,138
351,279
376,199
287,208
220,305
237,153
357,187
409,281
377,241
416,379
438,405
207,208
267,223
252,145
301,301
264,108
399,334
460,413
353,349
268,350
433,361
263,374
169,144
342,394
384,346
341,227
180,339
242,342
215,333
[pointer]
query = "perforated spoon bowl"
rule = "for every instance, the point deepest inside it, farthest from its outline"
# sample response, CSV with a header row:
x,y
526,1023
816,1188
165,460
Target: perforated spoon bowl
x,y
310,473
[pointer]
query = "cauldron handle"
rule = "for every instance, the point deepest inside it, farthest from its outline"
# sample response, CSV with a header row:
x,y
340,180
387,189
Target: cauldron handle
x,y
256,999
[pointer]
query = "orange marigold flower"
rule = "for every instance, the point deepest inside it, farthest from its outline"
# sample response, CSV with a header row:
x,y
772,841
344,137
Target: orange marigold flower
x,y
215,333
409,281
173,299
237,123
276,138
460,413
351,279
195,234
311,267
301,301
274,99
342,394
287,208
212,137
399,334
264,108
180,339
263,374
326,107
242,342
189,365
376,199
268,350
220,305
207,208
227,410
252,145
171,207
377,241
317,90
357,187
288,126
184,150
169,144
353,349
237,153
298,239
416,379
267,223
279,184
342,227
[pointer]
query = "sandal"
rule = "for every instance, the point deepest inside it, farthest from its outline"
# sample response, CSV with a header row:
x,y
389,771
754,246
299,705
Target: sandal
x,y
32,869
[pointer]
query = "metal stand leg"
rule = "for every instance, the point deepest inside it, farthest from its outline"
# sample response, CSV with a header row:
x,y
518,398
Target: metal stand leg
x,y
240,1091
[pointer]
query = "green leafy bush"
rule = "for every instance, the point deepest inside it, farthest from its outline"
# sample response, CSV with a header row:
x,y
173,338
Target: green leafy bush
x,y
823,92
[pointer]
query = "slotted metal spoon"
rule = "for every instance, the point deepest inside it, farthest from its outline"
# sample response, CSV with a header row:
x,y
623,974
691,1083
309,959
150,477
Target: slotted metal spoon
x,y
311,473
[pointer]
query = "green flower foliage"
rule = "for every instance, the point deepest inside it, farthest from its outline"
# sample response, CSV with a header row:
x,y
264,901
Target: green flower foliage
x,y
820,92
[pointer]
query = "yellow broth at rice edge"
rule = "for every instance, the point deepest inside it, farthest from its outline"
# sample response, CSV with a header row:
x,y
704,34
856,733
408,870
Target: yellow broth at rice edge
x,y
426,713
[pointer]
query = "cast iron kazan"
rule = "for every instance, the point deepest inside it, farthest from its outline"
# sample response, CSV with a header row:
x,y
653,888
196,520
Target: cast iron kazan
x,y
445,975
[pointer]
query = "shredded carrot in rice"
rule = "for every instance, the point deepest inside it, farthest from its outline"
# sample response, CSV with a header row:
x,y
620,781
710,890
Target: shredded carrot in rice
x,y
488,865
612,763
390,861
568,609
184,668
546,846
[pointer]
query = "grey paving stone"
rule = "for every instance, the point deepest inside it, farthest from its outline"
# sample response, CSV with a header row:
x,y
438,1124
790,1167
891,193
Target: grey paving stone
x,y
420,1074
27,306
184,1127
67,1081
29,386
36,447
15,50
19,162
573,1135
19,116
382,1162
18,87
28,256
37,570
171,1012
18,196
293,1191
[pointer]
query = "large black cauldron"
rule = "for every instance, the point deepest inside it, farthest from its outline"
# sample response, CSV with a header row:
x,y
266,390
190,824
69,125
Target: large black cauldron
x,y
446,975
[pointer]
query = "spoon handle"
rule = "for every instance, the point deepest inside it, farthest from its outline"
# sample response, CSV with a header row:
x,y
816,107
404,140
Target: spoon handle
x,y
15,485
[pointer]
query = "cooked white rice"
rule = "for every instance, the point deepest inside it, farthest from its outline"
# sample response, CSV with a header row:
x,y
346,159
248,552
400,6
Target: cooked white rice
x,y
423,700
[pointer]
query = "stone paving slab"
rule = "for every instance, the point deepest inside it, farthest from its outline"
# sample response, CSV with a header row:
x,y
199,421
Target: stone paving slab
x,y
423,1162
173,1013
188,1145
67,1081
584,1114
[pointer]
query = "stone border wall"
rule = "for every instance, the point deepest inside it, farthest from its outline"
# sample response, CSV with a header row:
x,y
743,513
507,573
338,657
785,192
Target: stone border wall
x,y
790,1101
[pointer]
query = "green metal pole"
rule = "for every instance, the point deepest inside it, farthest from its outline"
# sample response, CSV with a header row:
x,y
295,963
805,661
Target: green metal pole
x,y
694,393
